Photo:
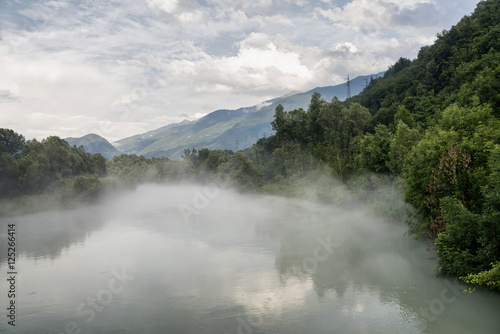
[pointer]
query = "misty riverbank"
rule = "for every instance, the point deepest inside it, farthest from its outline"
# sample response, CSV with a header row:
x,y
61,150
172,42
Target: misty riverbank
x,y
384,194
232,263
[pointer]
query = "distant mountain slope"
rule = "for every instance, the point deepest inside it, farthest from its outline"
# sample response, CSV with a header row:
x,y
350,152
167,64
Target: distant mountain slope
x,y
227,129
93,143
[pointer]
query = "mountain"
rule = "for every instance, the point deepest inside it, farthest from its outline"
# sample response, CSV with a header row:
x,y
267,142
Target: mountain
x,y
228,129
93,143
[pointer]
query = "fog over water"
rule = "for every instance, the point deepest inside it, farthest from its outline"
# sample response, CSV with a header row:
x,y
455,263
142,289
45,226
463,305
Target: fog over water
x,y
192,259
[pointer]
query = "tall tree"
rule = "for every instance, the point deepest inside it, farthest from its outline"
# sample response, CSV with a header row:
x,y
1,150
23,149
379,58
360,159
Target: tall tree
x,y
11,142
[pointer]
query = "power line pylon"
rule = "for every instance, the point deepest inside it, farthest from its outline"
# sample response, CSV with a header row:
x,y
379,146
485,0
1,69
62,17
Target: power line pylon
x,y
348,87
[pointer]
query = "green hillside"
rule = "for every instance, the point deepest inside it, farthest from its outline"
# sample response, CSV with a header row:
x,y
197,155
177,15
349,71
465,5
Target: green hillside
x,y
93,143
432,125
226,129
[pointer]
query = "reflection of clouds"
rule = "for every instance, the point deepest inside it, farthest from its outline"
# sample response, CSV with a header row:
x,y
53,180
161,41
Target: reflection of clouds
x,y
250,250
354,308
241,261
264,294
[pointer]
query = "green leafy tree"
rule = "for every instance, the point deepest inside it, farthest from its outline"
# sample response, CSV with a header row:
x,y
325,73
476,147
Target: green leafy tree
x,y
492,189
313,127
214,160
470,245
131,169
9,175
373,150
279,123
419,171
242,171
87,188
11,142
404,140
405,116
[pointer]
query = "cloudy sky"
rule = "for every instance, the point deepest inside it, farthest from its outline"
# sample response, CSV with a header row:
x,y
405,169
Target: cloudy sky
x,y
123,67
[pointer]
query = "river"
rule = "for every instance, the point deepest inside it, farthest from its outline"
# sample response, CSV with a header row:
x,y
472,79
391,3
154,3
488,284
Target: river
x,y
189,259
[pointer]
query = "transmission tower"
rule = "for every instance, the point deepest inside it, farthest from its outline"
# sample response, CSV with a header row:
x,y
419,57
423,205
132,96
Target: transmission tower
x,y
348,87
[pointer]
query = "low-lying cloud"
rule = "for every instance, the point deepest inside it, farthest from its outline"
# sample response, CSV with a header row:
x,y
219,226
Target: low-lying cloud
x,y
246,262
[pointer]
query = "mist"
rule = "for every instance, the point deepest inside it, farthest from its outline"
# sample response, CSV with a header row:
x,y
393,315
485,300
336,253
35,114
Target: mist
x,y
196,258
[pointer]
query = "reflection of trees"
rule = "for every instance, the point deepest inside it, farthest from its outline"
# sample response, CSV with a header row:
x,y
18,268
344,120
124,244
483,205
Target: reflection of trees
x,y
47,234
296,258
373,257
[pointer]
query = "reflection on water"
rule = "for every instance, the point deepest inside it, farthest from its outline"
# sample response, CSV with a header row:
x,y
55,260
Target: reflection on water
x,y
47,234
239,264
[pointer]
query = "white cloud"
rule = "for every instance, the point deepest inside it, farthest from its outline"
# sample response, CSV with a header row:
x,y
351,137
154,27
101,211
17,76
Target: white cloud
x,y
279,20
168,6
117,68
191,17
258,41
258,66
215,88
346,47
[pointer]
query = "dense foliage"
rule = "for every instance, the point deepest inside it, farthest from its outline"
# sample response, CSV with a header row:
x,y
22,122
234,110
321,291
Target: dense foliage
x,y
32,167
433,123
52,166
452,91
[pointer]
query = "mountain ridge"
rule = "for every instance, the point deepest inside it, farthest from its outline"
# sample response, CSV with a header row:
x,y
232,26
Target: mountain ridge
x,y
227,129
94,143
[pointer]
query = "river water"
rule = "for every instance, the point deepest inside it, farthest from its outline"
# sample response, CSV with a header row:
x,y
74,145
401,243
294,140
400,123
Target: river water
x,y
188,259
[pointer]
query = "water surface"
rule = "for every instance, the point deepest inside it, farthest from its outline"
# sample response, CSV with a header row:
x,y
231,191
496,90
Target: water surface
x,y
185,259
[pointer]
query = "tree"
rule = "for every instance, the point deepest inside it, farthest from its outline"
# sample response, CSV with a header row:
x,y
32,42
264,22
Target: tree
x,y
398,66
34,168
214,160
242,171
419,165
492,189
331,121
279,122
373,150
355,122
314,130
470,244
9,175
404,140
131,169
405,116
11,142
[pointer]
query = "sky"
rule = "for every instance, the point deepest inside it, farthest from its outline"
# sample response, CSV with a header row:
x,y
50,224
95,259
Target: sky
x,y
123,67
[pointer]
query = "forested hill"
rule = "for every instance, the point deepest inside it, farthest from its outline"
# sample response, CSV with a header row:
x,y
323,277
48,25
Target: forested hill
x,y
450,94
433,124
226,129
459,67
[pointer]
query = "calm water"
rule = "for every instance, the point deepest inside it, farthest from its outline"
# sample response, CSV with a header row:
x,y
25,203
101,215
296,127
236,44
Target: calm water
x,y
167,260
